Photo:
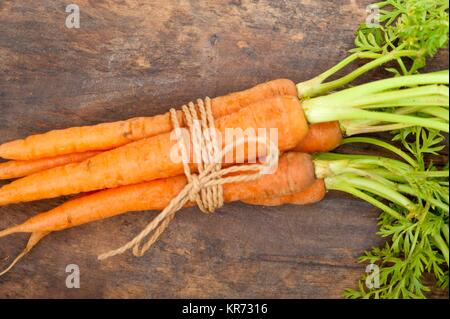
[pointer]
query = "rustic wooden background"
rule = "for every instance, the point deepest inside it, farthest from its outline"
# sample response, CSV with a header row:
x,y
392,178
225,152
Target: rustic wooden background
x,y
134,58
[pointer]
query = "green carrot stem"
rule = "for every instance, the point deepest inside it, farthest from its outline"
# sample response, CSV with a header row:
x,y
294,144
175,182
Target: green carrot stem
x,y
319,115
308,88
433,201
431,107
414,241
442,245
389,175
380,100
432,173
328,164
315,87
419,101
379,143
444,230
436,111
350,94
381,190
350,104
343,63
356,129
400,176
344,187
364,160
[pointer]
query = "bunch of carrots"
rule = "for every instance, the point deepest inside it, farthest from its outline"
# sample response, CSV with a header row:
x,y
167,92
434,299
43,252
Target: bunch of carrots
x,y
129,161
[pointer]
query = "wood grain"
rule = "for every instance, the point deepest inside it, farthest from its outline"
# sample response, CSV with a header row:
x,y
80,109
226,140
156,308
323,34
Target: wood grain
x,y
133,58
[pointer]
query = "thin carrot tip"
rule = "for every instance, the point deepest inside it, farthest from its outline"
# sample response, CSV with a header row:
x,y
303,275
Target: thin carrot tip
x,y
34,239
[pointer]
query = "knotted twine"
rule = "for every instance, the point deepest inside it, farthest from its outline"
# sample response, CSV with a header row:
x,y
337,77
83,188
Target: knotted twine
x,y
206,187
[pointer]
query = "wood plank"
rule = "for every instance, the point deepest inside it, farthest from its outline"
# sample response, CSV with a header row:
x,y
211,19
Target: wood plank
x,y
134,58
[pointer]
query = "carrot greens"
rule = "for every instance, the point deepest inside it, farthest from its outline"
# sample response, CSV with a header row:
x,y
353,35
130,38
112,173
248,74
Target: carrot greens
x,y
388,104
413,198
406,32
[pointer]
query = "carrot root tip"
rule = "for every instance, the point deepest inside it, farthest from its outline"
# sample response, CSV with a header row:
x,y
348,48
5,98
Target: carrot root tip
x,y
8,231
15,261
34,239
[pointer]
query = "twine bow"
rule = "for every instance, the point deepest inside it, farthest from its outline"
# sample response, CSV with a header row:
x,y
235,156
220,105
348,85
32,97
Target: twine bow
x,y
206,187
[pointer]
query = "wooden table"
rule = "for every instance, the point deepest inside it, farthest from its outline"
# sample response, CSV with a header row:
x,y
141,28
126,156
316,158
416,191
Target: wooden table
x,y
136,58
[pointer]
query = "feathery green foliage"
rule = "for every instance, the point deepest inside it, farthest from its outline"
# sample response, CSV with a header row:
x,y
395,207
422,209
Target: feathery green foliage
x,y
406,31
416,228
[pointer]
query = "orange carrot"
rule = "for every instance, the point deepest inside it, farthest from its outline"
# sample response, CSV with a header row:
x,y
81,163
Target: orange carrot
x,y
110,135
322,137
15,169
295,172
312,194
149,158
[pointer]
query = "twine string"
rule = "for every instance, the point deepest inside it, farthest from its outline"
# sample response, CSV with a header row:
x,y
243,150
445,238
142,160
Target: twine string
x,y
206,187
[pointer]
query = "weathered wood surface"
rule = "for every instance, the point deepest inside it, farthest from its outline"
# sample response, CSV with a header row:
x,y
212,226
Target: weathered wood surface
x,y
133,58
